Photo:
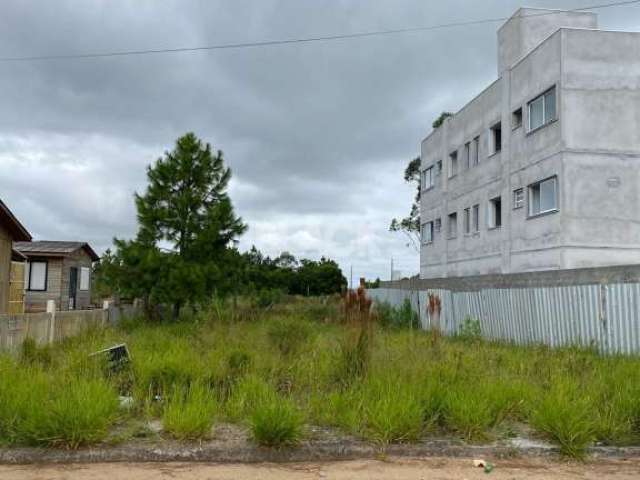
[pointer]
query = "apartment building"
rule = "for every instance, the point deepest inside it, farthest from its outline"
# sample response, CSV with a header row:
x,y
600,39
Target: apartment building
x,y
541,170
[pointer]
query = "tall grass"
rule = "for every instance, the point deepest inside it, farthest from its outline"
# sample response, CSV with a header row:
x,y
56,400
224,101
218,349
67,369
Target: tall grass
x,y
304,360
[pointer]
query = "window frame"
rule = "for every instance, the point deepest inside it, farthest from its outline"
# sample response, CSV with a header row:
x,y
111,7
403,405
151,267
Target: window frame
x,y
515,205
431,179
467,155
516,118
476,150
46,274
545,121
556,197
492,136
88,270
466,221
437,225
453,171
426,225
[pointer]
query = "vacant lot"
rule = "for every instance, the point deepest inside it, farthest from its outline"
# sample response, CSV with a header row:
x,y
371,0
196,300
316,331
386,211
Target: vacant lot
x,y
300,363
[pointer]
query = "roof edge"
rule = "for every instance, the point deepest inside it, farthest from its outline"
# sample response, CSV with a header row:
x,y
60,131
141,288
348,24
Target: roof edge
x,y
19,232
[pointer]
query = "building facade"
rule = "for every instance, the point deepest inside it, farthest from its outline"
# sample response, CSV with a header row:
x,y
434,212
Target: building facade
x,y
541,170
59,271
11,230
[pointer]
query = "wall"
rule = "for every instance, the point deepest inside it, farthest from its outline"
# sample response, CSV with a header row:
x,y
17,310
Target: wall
x,y
36,301
5,269
585,307
78,259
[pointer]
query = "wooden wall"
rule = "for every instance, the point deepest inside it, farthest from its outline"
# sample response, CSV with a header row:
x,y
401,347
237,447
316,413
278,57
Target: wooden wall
x,y
37,301
5,269
83,298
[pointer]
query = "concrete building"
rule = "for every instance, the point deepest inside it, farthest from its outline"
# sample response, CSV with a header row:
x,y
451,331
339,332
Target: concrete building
x,y
541,170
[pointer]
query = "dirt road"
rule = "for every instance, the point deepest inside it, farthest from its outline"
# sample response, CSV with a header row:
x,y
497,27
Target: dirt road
x,y
392,469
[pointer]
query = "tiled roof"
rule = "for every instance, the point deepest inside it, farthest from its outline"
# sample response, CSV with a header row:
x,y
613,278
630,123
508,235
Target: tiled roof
x,y
56,248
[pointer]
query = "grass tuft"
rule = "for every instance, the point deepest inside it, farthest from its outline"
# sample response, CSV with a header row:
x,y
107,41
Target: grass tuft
x,y
276,423
189,413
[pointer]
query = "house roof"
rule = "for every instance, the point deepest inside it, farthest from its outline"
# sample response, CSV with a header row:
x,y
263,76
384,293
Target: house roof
x,y
16,256
11,223
49,248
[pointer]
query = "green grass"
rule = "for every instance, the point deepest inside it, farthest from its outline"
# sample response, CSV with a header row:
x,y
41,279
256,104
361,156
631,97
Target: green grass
x,y
296,362
189,413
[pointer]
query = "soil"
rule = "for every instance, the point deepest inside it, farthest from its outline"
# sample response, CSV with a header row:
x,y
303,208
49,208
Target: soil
x,y
388,469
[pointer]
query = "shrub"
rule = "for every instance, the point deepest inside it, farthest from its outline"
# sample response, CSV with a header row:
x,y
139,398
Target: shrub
x,y
403,316
354,357
288,336
393,412
189,413
567,416
276,423
246,395
267,297
470,329
238,363
470,413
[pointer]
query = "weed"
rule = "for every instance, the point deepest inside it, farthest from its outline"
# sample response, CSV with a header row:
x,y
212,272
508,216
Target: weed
x,y
288,336
189,412
276,423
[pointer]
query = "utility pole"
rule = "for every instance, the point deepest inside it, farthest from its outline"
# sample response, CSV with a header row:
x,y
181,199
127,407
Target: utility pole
x,y
391,273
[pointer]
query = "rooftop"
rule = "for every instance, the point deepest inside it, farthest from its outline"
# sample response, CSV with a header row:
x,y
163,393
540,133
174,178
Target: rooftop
x,y
11,223
54,248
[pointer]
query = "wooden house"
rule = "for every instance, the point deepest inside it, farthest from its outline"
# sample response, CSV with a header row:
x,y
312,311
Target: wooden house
x,y
11,230
59,271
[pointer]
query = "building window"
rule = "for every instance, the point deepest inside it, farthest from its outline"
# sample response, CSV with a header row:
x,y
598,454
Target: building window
x,y
438,172
452,225
85,275
543,196
38,276
476,218
467,154
495,213
516,118
453,164
496,138
427,232
476,151
542,109
437,225
518,198
427,178
467,220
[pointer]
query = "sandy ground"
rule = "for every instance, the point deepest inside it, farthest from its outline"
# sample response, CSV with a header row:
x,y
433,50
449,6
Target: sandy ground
x,y
391,469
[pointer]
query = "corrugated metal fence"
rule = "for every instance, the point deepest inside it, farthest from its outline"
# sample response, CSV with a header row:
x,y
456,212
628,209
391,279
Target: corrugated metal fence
x,y
604,316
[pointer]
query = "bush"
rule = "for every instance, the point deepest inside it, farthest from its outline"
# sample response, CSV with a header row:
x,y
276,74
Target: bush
x,y
470,330
189,414
397,317
238,364
246,395
266,298
276,423
288,336
354,357
567,416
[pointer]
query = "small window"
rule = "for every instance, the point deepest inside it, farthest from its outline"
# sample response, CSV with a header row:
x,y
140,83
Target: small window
x,y
438,173
452,225
496,138
427,232
543,196
85,274
427,178
542,109
467,154
437,225
516,118
453,164
467,220
476,151
495,213
38,276
476,218
518,198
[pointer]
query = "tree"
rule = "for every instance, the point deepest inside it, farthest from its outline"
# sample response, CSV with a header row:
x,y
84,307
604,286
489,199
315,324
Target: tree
x,y
437,123
186,208
410,225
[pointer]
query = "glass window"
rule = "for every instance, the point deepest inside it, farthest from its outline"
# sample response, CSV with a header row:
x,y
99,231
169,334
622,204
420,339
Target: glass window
x,y
427,178
467,220
476,150
437,226
542,109
453,164
496,138
85,274
543,196
38,276
518,198
495,213
467,154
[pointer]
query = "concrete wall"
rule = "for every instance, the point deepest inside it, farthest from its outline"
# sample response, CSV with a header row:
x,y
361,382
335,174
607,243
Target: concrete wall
x,y
5,269
592,148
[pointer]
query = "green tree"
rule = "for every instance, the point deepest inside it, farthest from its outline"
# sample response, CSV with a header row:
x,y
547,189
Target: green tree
x,y
410,225
187,227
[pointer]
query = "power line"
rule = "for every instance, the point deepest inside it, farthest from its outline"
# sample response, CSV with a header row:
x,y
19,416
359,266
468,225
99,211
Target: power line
x,y
326,38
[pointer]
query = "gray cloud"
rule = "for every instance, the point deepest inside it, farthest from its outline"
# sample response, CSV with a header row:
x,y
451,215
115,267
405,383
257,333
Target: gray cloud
x,y
317,135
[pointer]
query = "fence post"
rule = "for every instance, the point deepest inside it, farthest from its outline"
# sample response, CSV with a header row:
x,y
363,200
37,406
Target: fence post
x,y
51,310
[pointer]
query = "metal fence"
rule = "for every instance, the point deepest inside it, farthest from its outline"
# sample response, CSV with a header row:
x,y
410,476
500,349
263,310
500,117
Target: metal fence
x,y
604,316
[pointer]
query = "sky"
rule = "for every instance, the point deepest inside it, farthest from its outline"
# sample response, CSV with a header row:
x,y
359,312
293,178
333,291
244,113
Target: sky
x,y
317,135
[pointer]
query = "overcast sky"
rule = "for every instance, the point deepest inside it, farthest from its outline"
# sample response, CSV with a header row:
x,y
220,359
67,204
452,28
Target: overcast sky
x,y
317,135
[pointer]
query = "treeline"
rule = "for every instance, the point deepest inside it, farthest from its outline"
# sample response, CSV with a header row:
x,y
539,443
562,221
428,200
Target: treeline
x,y
185,250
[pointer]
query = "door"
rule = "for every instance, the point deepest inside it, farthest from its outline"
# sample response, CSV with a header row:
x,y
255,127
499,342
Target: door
x,y
73,287
16,288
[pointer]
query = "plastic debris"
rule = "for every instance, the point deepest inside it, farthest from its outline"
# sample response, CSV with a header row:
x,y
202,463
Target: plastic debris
x,y
481,463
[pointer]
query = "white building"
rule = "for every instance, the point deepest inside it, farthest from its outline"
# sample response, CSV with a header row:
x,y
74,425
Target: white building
x,y
541,170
